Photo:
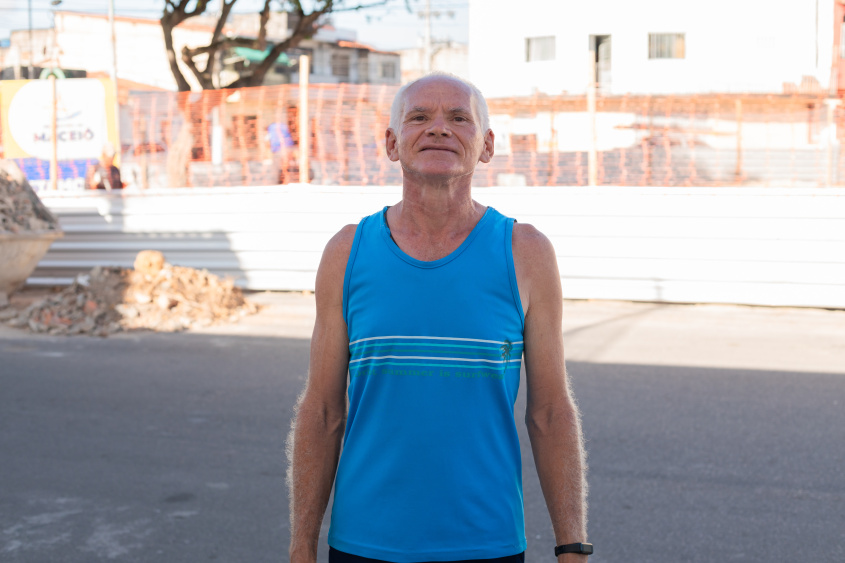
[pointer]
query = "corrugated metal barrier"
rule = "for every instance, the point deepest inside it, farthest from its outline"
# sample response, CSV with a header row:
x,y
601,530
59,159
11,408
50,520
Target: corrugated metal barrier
x,y
768,246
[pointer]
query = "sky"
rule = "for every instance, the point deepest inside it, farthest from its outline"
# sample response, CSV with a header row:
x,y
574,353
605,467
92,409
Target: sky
x,y
386,27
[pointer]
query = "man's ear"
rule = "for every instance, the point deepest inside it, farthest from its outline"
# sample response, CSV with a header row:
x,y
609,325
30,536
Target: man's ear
x,y
487,152
391,145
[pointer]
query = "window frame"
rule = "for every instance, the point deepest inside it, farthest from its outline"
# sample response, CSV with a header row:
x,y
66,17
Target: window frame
x,y
392,66
335,64
667,46
540,48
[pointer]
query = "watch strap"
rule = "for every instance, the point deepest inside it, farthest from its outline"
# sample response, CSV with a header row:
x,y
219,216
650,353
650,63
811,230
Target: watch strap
x,y
581,548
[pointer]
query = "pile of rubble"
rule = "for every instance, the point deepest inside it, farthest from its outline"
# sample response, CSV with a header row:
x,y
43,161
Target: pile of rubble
x,y
20,209
154,296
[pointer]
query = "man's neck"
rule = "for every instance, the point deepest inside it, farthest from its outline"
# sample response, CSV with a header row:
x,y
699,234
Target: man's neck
x,y
432,220
434,208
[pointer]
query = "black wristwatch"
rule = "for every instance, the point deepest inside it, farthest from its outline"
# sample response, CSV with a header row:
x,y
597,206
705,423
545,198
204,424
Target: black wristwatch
x,y
580,548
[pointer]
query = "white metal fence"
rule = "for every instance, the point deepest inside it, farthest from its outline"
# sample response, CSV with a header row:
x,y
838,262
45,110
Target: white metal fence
x,y
767,246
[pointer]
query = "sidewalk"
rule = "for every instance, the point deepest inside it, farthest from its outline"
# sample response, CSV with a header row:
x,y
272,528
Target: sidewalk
x,y
721,336
716,336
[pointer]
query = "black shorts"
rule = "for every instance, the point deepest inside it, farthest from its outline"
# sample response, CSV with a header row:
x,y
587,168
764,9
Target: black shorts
x,y
336,556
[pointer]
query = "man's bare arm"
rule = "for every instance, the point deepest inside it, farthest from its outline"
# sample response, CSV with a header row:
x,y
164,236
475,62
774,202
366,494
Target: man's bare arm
x,y
552,417
316,432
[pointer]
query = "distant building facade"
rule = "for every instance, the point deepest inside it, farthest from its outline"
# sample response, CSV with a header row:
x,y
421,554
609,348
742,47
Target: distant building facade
x,y
82,42
656,46
22,50
335,54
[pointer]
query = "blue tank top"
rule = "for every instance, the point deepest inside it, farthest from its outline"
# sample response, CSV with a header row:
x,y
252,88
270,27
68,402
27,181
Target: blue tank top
x,y
430,468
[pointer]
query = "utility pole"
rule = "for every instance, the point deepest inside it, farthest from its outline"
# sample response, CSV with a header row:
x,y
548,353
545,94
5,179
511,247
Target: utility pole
x,y
426,40
592,155
216,117
831,104
114,79
31,45
428,43
304,133
54,142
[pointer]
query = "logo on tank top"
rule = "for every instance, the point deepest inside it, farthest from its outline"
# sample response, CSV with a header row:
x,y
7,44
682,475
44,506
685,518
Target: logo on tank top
x,y
505,349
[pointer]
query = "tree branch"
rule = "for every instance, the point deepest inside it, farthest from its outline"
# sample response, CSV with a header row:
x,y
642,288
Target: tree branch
x,y
198,9
365,6
226,41
305,26
221,21
264,17
203,78
177,11
218,30
167,29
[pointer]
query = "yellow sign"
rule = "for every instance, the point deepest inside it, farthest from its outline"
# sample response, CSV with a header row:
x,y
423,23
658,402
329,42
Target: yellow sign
x,y
85,118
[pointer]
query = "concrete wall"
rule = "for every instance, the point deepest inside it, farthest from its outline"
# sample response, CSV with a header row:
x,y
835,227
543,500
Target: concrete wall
x,y
747,46
767,246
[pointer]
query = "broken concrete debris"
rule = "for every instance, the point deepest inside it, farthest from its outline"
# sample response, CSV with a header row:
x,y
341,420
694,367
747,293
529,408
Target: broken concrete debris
x,y
158,296
154,295
20,209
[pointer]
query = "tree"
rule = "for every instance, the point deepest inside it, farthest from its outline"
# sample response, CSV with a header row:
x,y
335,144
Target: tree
x,y
201,60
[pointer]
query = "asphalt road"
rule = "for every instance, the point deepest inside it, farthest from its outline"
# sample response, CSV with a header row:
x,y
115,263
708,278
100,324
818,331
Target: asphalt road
x,y
152,447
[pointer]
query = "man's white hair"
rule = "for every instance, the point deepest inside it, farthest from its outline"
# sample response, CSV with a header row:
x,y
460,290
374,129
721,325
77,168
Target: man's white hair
x,y
398,106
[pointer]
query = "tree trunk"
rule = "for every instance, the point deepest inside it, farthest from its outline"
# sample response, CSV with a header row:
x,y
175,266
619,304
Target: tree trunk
x,y
181,84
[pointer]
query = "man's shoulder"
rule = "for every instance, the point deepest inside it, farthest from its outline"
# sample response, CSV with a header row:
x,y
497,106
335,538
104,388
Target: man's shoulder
x,y
332,268
536,268
341,243
528,242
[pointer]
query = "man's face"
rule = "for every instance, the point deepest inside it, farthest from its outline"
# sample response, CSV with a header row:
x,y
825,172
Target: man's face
x,y
440,132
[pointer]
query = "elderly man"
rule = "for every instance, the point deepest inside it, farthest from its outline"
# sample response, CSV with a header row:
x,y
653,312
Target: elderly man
x,y
429,306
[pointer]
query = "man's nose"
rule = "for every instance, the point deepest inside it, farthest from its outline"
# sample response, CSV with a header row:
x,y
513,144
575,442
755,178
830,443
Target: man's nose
x,y
439,126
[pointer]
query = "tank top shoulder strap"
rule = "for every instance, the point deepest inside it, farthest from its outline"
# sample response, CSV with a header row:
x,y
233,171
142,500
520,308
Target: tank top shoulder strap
x,y
365,225
517,300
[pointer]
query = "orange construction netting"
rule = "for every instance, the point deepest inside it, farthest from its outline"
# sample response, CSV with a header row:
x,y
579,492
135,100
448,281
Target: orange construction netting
x,y
251,137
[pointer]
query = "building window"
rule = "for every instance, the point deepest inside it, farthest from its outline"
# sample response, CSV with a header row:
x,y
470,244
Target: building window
x,y
666,46
540,48
388,69
244,131
340,65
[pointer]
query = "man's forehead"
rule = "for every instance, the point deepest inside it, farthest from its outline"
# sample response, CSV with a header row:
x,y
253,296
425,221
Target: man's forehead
x,y
423,94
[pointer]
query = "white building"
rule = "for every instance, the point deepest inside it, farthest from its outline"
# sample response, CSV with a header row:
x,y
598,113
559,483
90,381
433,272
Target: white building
x,y
655,46
352,62
83,41
336,55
